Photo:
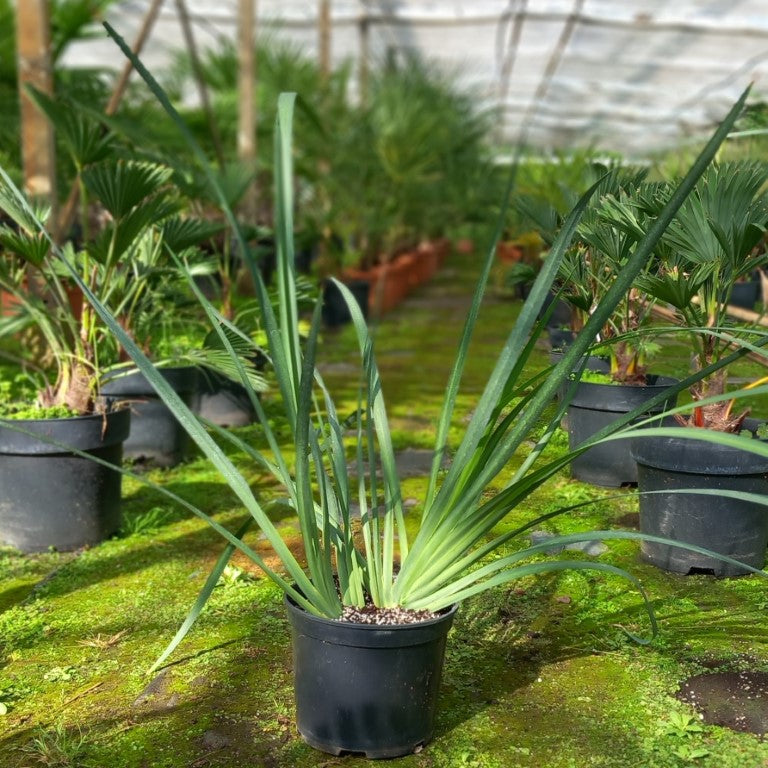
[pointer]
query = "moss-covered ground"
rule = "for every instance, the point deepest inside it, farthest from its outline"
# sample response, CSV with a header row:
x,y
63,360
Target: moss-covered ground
x,y
539,673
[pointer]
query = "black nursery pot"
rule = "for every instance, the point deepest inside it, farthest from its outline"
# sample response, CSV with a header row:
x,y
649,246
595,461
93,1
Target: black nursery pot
x,y
335,309
560,338
52,498
364,688
156,436
732,527
224,402
593,363
561,314
745,294
595,406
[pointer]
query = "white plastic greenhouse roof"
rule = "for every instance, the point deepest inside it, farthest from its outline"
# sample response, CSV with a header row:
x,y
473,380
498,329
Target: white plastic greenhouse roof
x,y
627,75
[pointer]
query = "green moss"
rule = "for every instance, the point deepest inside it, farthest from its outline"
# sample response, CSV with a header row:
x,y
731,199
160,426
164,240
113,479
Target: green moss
x,y
26,411
595,377
540,673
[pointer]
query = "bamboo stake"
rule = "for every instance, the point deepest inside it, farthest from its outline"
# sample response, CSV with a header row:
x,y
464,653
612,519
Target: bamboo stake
x,y
362,73
138,45
324,38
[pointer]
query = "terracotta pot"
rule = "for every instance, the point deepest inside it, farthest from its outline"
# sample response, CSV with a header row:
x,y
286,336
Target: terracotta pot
x,y
408,269
442,248
429,255
75,297
465,245
509,253
395,282
386,286
7,302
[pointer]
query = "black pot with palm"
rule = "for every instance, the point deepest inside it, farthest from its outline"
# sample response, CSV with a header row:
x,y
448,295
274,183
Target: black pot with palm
x,y
598,253
119,254
714,241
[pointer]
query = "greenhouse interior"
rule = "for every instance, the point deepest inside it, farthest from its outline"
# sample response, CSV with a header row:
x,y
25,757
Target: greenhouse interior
x,y
383,381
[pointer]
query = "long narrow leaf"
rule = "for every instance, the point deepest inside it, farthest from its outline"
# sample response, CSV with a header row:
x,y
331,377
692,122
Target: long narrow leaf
x,y
202,598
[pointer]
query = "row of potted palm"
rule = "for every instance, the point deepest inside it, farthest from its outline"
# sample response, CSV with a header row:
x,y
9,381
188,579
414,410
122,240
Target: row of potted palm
x,y
716,238
376,179
136,213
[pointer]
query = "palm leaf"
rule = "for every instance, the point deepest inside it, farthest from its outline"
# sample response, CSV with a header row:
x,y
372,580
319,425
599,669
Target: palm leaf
x,y
120,185
181,233
85,139
30,246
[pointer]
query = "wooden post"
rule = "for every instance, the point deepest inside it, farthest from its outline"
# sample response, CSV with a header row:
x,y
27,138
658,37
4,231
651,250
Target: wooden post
x,y
33,33
246,84
197,71
69,209
324,38
362,73
122,82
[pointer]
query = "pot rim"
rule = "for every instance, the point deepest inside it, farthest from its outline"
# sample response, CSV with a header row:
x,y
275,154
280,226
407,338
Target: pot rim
x,y
622,398
114,408
84,433
686,454
442,616
132,383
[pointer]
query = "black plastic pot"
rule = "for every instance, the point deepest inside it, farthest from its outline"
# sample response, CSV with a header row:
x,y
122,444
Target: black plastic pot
x,y
156,436
745,294
594,363
335,310
52,498
224,402
595,406
561,314
363,688
732,527
560,338
523,290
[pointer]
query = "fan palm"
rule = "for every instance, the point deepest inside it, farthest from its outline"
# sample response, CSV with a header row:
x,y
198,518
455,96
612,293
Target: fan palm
x,y
715,239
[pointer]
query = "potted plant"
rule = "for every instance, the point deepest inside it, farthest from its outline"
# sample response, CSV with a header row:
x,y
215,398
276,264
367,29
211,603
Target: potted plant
x,y
545,194
620,384
133,234
397,173
375,567
715,239
52,496
166,320
129,224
